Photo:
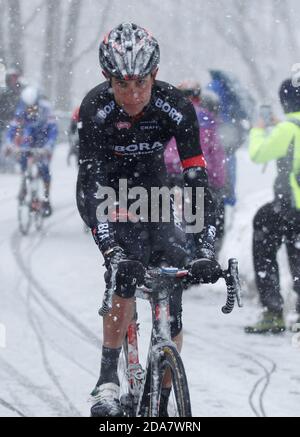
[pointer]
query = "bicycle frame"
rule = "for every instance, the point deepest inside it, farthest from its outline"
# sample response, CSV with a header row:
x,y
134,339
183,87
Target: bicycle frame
x,y
30,188
158,297
158,285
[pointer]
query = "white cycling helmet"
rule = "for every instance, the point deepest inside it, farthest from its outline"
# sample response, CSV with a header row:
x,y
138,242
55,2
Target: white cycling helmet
x,y
30,96
129,52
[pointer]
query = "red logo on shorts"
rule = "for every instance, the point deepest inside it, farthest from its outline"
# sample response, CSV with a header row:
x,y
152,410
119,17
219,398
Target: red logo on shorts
x,y
123,125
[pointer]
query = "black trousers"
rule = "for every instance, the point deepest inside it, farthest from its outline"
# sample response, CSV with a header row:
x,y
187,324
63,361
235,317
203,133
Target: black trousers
x,y
274,226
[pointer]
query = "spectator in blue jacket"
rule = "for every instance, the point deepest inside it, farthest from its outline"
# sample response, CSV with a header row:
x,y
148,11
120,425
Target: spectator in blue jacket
x,y
235,113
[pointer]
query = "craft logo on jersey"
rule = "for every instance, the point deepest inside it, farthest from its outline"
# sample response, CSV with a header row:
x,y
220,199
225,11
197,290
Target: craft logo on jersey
x,y
106,110
172,112
138,148
123,125
149,125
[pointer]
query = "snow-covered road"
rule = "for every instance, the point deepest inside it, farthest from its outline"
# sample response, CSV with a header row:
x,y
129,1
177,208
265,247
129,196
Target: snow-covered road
x,y
51,286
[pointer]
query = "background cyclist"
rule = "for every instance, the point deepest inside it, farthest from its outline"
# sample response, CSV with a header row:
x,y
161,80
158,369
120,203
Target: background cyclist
x,y
34,126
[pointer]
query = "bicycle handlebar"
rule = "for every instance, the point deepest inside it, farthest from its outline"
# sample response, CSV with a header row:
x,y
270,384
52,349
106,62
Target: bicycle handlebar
x,y
234,289
35,151
231,277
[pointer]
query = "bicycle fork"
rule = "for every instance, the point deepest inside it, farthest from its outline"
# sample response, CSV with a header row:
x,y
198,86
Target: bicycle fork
x,y
143,388
161,335
135,372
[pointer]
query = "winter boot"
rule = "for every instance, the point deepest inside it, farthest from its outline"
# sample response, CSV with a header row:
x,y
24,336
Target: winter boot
x,y
105,399
270,322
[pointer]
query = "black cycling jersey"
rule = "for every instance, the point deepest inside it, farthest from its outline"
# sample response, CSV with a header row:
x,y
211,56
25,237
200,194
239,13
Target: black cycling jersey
x,y
114,145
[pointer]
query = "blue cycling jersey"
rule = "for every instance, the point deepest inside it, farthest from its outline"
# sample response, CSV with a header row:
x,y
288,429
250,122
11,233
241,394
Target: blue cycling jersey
x,y
37,130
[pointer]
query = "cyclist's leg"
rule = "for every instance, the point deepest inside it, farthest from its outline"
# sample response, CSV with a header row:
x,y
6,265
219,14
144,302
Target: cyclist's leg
x,y
133,239
23,165
44,172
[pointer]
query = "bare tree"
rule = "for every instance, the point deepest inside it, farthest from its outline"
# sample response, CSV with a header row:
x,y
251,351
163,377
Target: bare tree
x,y
247,33
53,18
65,62
34,14
95,42
15,53
2,42
286,14
69,58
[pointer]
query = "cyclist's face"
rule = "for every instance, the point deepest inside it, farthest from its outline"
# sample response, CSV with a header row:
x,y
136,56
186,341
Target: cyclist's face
x,y
133,95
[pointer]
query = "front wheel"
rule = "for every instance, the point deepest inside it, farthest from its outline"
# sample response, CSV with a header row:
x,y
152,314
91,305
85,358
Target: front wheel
x,y
179,404
24,217
37,212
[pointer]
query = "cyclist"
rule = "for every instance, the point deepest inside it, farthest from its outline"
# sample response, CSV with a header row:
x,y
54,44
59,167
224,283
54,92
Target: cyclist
x,y
205,106
34,126
124,124
278,222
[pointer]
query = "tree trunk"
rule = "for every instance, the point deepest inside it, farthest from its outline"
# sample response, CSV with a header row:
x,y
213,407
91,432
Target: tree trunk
x,y
53,18
240,36
2,21
94,44
65,63
15,53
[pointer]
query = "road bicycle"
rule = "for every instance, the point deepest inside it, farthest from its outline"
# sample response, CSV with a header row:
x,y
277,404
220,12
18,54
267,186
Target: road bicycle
x,y
141,388
30,205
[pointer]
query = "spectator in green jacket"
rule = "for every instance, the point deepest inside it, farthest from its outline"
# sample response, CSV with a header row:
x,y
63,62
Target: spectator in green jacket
x,y
278,222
